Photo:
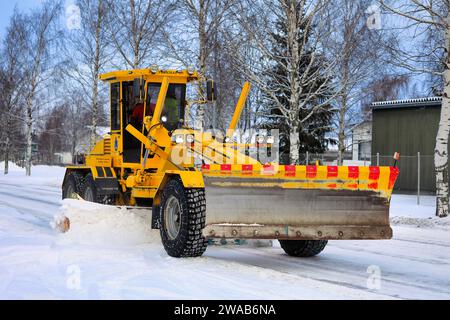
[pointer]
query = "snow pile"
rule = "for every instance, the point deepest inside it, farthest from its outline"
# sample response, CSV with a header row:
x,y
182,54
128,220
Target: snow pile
x,y
431,222
406,211
92,223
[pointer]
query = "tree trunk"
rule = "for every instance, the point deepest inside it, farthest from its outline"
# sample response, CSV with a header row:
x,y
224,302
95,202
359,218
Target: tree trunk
x,y
441,153
29,134
294,83
6,171
294,151
201,59
7,144
74,144
96,73
344,103
441,150
341,134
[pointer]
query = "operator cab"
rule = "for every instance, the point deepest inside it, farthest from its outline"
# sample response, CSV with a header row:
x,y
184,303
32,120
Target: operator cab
x,y
134,95
134,109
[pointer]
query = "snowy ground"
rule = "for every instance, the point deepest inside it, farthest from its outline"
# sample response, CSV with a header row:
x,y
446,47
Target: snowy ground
x,y
121,258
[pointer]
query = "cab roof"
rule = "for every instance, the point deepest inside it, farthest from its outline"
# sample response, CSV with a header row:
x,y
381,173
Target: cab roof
x,y
176,76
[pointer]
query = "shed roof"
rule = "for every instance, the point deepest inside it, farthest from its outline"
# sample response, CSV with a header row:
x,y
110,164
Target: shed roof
x,y
408,103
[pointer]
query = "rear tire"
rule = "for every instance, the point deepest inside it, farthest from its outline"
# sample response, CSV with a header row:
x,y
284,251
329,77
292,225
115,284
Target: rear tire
x,y
90,189
303,248
182,215
73,186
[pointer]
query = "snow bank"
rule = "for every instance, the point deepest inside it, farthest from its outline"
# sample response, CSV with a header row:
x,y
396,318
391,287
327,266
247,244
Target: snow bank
x,y
432,222
40,175
96,224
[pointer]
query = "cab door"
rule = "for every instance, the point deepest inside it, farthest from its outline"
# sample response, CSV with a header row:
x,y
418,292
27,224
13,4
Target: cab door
x,y
131,147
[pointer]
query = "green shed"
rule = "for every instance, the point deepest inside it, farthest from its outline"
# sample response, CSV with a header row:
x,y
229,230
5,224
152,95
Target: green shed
x,y
409,127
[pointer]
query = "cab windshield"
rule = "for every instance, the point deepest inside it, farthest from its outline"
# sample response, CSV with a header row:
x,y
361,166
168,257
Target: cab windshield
x,y
173,109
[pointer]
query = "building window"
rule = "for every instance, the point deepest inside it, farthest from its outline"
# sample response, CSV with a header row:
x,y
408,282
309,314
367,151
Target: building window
x,y
364,149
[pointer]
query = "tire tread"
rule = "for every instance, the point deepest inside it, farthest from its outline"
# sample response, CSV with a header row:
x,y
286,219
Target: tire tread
x,y
303,248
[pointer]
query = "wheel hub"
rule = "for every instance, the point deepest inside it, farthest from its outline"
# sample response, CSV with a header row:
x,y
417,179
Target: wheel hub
x,y
172,217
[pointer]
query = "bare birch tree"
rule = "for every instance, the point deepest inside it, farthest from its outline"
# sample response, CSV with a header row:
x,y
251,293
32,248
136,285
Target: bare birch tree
x,y
431,16
357,48
197,38
136,29
11,84
258,22
88,51
41,35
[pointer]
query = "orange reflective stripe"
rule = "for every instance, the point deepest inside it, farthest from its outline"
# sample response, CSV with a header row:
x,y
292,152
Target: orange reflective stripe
x,y
311,172
353,172
225,167
374,173
290,170
268,169
247,169
332,172
393,177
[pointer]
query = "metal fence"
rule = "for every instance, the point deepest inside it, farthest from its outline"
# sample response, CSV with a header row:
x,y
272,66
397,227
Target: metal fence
x,y
417,175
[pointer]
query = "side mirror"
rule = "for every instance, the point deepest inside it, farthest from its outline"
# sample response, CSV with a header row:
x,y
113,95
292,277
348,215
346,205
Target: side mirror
x,y
138,88
211,91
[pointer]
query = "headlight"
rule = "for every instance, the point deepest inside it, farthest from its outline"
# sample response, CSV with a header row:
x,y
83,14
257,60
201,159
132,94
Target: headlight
x,y
190,138
164,119
260,140
191,70
154,68
270,140
227,139
179,138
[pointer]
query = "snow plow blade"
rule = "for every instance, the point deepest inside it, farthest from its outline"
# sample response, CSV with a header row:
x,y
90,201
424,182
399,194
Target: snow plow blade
x,y
298,202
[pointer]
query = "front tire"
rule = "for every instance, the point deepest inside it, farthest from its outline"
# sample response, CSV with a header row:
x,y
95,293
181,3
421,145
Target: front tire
x,y
182,215
303,248
90,192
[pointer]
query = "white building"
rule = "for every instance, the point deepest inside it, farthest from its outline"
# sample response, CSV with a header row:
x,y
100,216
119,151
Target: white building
x,y
362,141
83,145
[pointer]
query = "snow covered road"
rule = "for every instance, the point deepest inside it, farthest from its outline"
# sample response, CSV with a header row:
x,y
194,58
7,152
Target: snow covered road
x,y
121,258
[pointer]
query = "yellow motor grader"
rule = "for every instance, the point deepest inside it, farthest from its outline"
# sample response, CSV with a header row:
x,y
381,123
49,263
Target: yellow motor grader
x,y
148,160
